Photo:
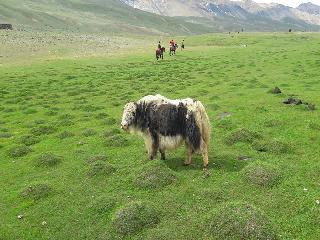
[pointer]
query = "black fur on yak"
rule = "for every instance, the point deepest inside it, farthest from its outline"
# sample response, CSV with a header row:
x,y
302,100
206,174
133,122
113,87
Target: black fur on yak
x,y
166,124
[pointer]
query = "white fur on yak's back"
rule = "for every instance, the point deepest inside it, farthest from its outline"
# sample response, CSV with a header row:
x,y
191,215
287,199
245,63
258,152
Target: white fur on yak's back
x,y
156,99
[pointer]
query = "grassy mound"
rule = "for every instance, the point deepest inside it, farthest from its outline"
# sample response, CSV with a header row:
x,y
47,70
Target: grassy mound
x,y
116,141
102,205
6,135
134,217
100,168
48,160
110,121
89,132
96,158
241,221
262,174
273,146
29,140
112,132
65,134
242,135
43,130
36,191
19,151
154,175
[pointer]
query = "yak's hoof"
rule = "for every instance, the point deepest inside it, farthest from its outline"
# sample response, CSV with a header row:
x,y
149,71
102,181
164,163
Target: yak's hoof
x,y
206,173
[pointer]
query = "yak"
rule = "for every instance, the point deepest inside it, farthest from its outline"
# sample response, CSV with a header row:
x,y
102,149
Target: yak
x,y
166,124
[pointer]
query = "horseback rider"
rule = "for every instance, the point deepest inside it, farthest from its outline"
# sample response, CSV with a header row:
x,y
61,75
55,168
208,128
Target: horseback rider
x,y
172,43
159,45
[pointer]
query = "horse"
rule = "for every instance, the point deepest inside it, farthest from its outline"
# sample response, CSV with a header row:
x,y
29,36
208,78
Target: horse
x,y
159,53
173,49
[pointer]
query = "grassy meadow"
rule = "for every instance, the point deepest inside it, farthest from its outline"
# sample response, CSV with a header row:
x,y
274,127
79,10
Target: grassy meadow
x,y
68,172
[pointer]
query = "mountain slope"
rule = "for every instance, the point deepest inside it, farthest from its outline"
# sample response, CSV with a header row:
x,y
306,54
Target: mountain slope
x,y
92,15
247,13
309,8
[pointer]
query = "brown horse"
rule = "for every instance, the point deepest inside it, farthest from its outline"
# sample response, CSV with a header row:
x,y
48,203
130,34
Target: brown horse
x,y
173,49
159,53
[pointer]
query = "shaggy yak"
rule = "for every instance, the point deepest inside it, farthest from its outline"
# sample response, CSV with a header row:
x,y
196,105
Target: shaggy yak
x,y
166,124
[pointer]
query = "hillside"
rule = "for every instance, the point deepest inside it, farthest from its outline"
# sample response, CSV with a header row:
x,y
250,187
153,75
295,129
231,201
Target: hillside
x,y
231,14
309,8
91,16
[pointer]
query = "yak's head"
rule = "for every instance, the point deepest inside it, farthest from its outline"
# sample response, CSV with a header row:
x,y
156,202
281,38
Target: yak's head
x,y
129,114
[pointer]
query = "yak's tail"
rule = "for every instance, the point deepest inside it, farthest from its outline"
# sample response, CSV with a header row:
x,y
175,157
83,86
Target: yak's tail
x,y
204,122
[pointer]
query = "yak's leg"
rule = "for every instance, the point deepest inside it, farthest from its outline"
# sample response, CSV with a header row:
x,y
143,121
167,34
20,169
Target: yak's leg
x,y
148,143
204,151
163,154
154,145
188,160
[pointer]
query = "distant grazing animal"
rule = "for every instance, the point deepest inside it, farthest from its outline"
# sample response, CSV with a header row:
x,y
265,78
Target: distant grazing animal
x,y
166,124
6,26
159,53
173,49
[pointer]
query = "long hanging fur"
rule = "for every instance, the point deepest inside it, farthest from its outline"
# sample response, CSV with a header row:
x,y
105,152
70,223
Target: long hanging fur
x,y
165,123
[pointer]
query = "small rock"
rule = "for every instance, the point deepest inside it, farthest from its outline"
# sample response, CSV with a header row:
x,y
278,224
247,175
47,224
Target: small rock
x,y
305,189
318,202
311,106
276,90
293,101
20,216
244,158
44,223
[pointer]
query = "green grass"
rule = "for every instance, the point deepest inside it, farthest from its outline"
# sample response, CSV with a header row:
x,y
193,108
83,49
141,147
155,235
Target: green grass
x,y
64,161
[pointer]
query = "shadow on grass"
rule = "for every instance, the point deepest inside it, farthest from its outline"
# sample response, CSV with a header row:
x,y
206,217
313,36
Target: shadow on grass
x,y
225,162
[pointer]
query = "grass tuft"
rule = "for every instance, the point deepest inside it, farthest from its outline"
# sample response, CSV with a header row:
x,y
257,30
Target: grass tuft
x,y
43,130
134,217
155,174
110,121
272,146
6,135
242,135
116,141
65,134
100,168
36,191
262,174
111,132
19,151
89,132
29,140
96,158
102,205
239,220
48,160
